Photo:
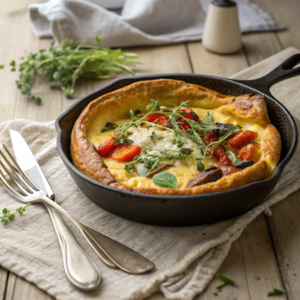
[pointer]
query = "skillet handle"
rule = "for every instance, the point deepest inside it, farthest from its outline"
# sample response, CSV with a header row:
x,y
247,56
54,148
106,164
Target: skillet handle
x,y
282,72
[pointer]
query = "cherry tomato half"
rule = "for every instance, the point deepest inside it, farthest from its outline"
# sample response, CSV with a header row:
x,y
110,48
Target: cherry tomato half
x,y
124,152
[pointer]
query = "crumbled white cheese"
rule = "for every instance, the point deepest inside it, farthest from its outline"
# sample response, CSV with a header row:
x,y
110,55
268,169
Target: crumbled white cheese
x,y
165,140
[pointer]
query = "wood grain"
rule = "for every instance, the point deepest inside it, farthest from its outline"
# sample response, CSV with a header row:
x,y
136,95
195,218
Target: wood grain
x,y
233,268
3,278
259,260
209,63
285,230
19,289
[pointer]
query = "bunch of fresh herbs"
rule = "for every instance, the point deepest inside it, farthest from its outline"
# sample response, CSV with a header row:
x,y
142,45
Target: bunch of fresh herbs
x,y
66,63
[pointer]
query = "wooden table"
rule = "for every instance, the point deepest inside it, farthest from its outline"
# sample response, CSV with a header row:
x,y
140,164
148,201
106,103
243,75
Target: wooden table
x,y
268,247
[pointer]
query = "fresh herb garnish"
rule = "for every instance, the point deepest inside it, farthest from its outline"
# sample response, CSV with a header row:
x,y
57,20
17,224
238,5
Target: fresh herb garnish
x,y
142,170
219,287
215,293
1,66
109,127
232,156
256,277
67,62
275,292
152,161
93,146
8,216
151,157
165,179
224,279
200,165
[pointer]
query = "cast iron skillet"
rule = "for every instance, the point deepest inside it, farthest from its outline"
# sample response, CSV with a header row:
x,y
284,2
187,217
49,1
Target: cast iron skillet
x,y
196,209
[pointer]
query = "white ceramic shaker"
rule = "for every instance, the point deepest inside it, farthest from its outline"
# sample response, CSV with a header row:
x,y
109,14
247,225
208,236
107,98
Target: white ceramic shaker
x,y
222,31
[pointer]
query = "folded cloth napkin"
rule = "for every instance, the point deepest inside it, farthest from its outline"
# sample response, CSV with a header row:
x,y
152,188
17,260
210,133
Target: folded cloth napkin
x,y
147,22
186,258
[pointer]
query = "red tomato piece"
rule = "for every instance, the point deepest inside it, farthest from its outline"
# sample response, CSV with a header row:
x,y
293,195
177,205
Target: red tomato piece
x,y
106,147
125,152
222,157
158,119
243,138
185,125
247,152
210,138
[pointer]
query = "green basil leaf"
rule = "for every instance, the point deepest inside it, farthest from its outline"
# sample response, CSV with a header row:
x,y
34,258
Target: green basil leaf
x,y
232,156
142,170
165,179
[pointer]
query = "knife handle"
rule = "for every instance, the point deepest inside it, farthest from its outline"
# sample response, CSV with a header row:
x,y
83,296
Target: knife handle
x,y
79,267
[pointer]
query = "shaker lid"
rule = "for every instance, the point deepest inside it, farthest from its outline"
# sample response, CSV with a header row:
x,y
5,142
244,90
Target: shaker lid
x,y
223,3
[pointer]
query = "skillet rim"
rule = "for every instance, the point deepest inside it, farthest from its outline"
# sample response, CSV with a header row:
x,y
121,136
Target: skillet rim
x,y
279,168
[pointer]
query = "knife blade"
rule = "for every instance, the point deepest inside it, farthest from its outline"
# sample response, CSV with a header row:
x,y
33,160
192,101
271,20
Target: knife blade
x,y
28,163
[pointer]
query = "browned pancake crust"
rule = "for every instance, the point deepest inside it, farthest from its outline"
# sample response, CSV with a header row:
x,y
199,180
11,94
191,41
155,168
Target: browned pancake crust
x,y
136,96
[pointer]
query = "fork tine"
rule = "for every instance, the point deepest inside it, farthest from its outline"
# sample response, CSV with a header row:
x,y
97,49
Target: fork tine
x,y
9,188
18,171
24,192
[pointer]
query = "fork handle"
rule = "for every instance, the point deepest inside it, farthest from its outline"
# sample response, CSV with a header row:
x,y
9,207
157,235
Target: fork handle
x,y
79,267
125,258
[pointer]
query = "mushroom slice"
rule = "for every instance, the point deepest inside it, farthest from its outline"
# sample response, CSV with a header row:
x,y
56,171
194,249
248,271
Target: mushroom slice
x,y
209,175
158,170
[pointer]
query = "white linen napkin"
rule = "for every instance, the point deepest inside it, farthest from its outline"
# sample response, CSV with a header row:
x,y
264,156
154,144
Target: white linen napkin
x,y
147,22
186,258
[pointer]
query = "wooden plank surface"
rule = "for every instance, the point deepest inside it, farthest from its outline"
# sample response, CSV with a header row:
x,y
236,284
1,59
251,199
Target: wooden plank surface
x,y
3,279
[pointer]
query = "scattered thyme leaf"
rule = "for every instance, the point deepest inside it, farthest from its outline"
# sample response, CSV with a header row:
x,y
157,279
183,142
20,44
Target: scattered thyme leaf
x,y
256,277
275,292
224,279
219,287
215,293
7,216
1,66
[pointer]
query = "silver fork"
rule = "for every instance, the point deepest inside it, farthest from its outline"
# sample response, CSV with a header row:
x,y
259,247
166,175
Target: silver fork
x,y
125,258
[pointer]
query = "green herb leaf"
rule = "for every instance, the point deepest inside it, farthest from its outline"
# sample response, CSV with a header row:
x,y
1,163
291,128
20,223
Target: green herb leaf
x,y
224,279
153,106
258,278
215,293
98,40
109,127
165,179
219,287
7,216
93,146
232,156
275,292
142,170
200,165
1,66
